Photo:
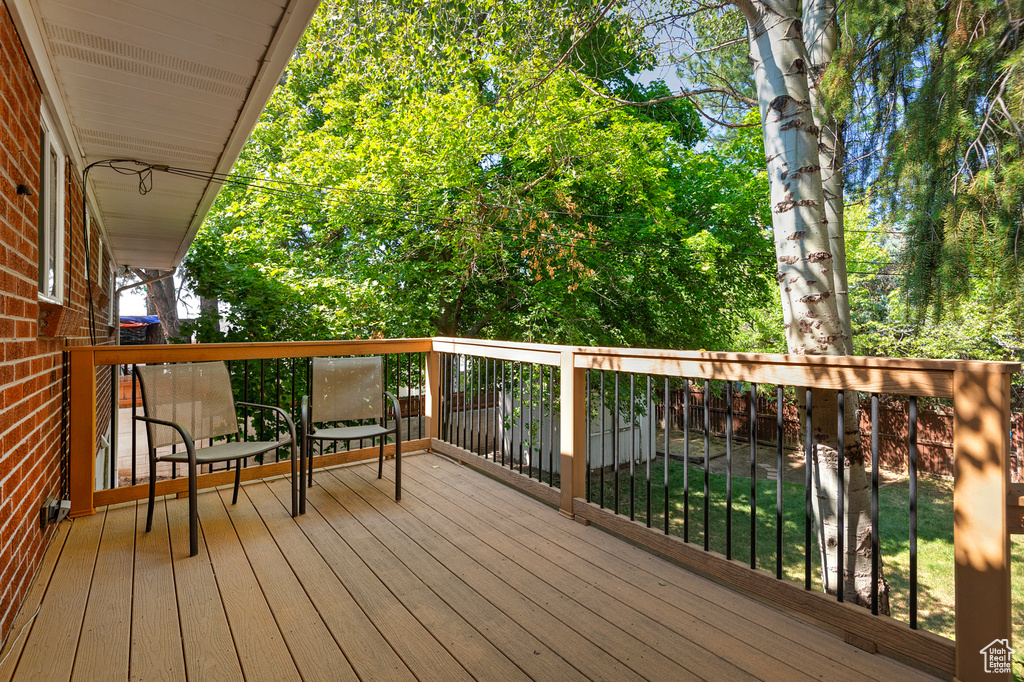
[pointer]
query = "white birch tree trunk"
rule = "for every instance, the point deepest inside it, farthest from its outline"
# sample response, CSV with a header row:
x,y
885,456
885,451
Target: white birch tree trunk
x,y
806,197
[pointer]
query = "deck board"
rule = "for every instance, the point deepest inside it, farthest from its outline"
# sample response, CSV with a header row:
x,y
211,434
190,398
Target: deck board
x,y
441,574
20,629
616,625
103,648
797,643
206,640
413,643
156,652
365,648
464,579
314,650
261,647
50,647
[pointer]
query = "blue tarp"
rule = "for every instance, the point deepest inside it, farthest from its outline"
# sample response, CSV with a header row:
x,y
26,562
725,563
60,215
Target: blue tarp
x,y
135,320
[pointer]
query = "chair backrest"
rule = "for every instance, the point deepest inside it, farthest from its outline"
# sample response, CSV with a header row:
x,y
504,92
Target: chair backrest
x,y
347,388
196,395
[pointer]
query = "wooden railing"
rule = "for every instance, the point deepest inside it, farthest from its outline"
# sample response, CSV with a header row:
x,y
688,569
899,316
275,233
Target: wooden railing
x,y
979,392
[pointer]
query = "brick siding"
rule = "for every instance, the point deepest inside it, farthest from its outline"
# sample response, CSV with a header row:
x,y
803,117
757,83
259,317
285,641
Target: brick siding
x,y
31,368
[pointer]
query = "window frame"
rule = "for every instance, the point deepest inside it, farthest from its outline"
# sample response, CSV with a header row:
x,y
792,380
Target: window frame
x,y
51,201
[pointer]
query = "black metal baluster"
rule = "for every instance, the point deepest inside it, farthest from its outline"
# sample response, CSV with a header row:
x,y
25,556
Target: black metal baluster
x,y
753,475
707,464
456,398
134,414
604,458
502,430
464,401
686,460
522,418
587,447
467,397
728,470
532,420
808,462
615,444
632,447
668,422
421,369
112,445
650,445
540,423
449,393
245,410
488,378
841,507
481,363
408,396
277,402
779,467
874,504
551,426
262,400
912,436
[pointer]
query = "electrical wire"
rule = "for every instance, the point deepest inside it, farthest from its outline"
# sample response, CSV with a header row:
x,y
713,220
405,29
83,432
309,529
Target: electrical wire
x,y
316,193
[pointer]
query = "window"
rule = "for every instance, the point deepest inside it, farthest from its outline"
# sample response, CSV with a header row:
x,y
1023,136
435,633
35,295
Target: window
x,y
51,214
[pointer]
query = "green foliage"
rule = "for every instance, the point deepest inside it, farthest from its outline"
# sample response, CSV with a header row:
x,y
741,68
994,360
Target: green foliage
x,y
938,87
457,170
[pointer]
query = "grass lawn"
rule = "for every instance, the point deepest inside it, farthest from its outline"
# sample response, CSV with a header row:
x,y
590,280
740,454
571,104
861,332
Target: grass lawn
x,y
935,533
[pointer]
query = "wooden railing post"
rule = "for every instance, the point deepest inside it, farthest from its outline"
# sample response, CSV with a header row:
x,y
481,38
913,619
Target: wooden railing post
x,y
573,427
981,443
433,398
82,431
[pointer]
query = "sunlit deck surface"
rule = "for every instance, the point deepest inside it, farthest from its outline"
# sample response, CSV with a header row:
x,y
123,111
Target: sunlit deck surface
x,y
463,579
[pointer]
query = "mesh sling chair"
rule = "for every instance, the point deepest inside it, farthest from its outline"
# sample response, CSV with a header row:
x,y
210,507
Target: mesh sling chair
x,y
189,402
347,389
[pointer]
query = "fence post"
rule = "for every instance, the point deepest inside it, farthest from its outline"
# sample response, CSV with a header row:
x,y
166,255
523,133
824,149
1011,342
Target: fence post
x,y
981,443
573,429
433,387
82,430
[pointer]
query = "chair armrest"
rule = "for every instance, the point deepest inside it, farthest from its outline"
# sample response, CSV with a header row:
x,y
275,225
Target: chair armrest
x,y
190,446
307,426
280,411
398,415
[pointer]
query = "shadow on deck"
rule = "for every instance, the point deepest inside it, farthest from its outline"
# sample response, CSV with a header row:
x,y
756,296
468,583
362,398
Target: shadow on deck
x,y
464,579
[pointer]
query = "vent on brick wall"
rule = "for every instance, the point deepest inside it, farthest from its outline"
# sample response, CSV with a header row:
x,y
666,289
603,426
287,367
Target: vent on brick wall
x,y
118,55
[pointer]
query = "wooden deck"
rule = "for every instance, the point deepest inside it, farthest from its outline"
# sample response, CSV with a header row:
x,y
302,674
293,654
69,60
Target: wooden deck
x,y
464,579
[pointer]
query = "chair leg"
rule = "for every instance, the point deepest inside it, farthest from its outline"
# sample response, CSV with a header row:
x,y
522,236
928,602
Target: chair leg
x,y
303,450
309,464
295,480
193,512
238,480
152,495
398,468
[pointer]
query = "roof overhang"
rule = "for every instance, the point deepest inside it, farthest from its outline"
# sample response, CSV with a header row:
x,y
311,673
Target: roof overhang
x,y
177,83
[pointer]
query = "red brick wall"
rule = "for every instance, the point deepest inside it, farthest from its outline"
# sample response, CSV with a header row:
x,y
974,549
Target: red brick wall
x,y
31,371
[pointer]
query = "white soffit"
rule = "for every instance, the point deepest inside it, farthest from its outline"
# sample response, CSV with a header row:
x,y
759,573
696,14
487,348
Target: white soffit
x,y
167,82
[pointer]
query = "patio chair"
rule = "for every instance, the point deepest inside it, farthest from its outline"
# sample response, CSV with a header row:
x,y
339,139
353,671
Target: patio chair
x,y
189,402
346,390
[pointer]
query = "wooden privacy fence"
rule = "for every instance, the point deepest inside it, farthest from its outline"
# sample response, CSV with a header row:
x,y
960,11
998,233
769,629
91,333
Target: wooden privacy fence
x,y
528,414
934,427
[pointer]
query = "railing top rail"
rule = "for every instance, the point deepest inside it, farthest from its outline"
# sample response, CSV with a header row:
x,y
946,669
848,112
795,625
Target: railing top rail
x,y
850,361
197,352
536,353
